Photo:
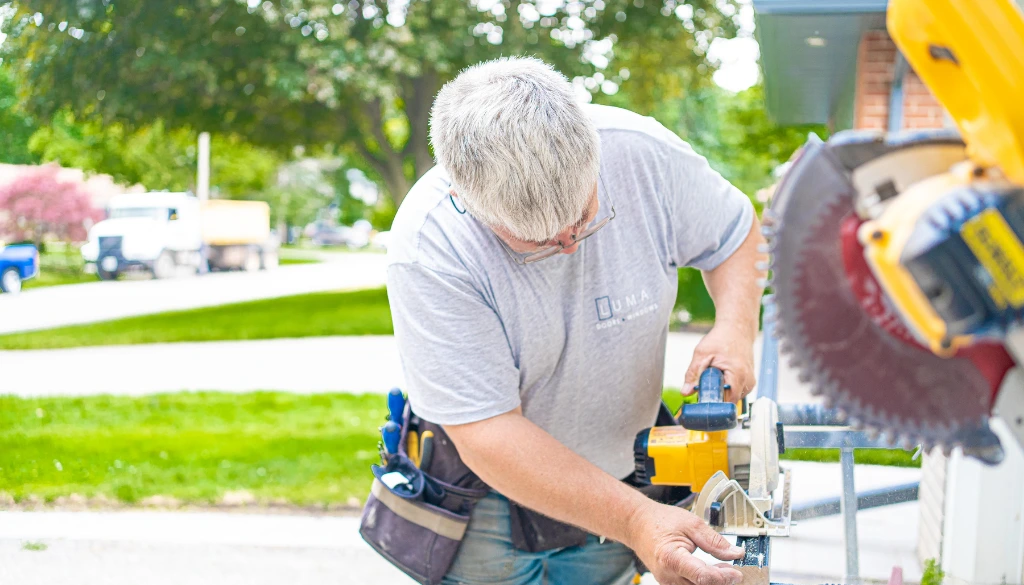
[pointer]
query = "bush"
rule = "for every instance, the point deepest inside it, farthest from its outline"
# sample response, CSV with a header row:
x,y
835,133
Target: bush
x,y
692,299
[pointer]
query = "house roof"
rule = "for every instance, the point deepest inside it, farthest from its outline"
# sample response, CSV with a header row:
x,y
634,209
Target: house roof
x,y
809,56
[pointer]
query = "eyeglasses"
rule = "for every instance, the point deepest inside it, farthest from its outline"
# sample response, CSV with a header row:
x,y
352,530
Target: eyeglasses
x,y
553,250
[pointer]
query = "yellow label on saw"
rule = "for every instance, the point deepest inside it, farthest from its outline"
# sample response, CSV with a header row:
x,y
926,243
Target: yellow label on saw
x,y
1000,252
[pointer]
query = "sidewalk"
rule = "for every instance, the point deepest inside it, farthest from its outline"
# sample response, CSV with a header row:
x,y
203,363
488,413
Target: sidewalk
x,y
311,364
215,548
99,301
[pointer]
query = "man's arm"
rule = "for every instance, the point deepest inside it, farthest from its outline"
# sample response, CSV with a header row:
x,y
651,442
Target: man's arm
x,y
520,460
734,286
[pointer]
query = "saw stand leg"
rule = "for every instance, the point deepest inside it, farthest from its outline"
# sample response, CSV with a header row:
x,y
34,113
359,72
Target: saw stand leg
x,y
848,505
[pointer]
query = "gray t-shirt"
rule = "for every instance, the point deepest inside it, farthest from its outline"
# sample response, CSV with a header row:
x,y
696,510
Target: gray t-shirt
x,y
578,340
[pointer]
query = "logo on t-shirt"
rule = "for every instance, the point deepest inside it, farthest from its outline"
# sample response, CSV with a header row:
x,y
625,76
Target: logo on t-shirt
x,y
627,308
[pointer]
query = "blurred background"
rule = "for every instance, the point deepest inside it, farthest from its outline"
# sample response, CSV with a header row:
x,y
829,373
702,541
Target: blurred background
x,y
147,399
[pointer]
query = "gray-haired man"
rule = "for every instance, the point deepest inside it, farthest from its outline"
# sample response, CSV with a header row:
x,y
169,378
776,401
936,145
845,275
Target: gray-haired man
x,y
542,355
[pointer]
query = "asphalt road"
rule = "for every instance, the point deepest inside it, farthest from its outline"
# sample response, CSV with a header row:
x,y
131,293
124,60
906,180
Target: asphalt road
x,y
98,301
216,548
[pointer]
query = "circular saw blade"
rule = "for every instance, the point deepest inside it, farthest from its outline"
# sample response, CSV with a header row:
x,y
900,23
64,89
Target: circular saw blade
x,y
881,382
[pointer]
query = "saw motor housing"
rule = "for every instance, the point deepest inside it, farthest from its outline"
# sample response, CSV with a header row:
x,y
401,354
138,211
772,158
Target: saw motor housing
x,y
897,260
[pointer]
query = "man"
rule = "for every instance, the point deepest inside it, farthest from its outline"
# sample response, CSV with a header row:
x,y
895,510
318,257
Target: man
x,y
531,278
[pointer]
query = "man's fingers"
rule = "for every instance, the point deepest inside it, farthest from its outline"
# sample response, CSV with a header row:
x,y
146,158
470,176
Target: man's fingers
x,y
714,543
698,365
698,572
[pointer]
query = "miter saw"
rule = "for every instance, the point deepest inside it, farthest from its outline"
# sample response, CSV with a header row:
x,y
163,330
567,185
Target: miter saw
x,y
897,260
732,459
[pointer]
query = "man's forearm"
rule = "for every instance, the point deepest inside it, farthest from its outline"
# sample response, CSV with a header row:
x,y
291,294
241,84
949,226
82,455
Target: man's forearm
x,y
526,464
735,285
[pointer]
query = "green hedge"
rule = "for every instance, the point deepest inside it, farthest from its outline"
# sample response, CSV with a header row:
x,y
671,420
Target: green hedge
x,y
693,298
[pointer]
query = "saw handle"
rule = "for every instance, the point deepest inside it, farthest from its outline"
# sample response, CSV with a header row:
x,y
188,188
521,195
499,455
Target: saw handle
x,y
709,413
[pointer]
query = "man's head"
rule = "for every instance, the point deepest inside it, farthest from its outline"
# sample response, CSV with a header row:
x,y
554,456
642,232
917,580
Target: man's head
x,y
522,155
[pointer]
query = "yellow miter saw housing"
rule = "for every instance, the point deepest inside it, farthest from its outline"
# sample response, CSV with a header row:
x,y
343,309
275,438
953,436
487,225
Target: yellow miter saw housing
x,y
948,249
897,260
732,460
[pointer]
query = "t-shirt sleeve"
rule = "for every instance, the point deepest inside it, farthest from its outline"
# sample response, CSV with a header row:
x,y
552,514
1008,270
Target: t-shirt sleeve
x,y
456,357
709,218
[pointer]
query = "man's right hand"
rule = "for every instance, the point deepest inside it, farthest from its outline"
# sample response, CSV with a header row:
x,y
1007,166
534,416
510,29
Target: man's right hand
x,y
665,537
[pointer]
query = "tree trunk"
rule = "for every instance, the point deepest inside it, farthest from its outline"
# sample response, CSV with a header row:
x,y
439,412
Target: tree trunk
x,y
418,99
397,184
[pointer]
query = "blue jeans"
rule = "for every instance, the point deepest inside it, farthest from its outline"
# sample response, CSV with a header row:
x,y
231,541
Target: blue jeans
x,y
487,556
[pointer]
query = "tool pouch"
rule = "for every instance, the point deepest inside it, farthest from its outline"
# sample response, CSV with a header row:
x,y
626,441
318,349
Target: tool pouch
x,y
419,525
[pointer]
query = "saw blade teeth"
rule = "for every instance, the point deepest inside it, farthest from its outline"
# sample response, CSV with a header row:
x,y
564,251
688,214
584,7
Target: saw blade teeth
x,y
764,248
803,375
767,231
873,433
889,436
762,266
855,422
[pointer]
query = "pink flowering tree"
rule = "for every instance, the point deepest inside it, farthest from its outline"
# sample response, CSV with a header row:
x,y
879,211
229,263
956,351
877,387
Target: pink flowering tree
x,y
36,202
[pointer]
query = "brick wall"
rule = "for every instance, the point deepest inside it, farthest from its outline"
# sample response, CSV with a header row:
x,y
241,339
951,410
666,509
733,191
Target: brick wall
x,y
876,61
920,108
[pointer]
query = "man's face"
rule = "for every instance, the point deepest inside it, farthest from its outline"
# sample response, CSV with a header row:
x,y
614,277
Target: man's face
x,y
563,238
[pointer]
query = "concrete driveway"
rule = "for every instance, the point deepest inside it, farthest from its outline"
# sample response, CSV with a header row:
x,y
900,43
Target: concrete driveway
x,y
98,301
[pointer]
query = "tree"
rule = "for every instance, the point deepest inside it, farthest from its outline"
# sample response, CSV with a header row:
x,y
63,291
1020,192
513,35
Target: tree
x,y
154,156
358,74
734,132
16,126
38,203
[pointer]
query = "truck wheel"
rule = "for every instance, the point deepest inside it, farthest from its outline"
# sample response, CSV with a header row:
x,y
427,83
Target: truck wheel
x,y
270,260
165,266
252,261
10,281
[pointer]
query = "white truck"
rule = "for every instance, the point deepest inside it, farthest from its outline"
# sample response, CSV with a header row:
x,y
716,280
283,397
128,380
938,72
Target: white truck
x,y
168,234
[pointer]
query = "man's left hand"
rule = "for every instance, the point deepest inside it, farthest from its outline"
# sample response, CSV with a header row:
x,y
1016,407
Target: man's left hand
x,y
730,349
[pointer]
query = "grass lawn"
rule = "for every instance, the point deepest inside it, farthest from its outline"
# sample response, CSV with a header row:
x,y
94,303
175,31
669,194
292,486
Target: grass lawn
x,y
362,312
286,261
304,449
51,278
59,265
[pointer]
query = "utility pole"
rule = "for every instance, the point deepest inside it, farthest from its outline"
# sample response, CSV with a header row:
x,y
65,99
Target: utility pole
x,y
203,173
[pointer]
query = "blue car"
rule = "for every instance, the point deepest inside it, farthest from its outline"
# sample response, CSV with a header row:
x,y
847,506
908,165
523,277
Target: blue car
x,y
17,263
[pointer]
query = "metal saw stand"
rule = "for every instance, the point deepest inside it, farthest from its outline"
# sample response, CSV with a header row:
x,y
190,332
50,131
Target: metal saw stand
x,y
846,440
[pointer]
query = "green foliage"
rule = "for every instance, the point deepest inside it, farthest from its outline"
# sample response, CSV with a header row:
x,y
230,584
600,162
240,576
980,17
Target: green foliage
x,y
154,156
383,214
357,76
738,138
306,449
16,126
693,296
364,312
933,573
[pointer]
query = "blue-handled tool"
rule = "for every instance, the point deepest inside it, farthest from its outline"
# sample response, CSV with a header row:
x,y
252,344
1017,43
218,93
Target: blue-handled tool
x,y
396,406
709,413
391,433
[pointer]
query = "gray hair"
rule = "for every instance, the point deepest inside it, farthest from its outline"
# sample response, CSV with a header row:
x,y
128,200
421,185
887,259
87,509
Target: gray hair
x,y
521,153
